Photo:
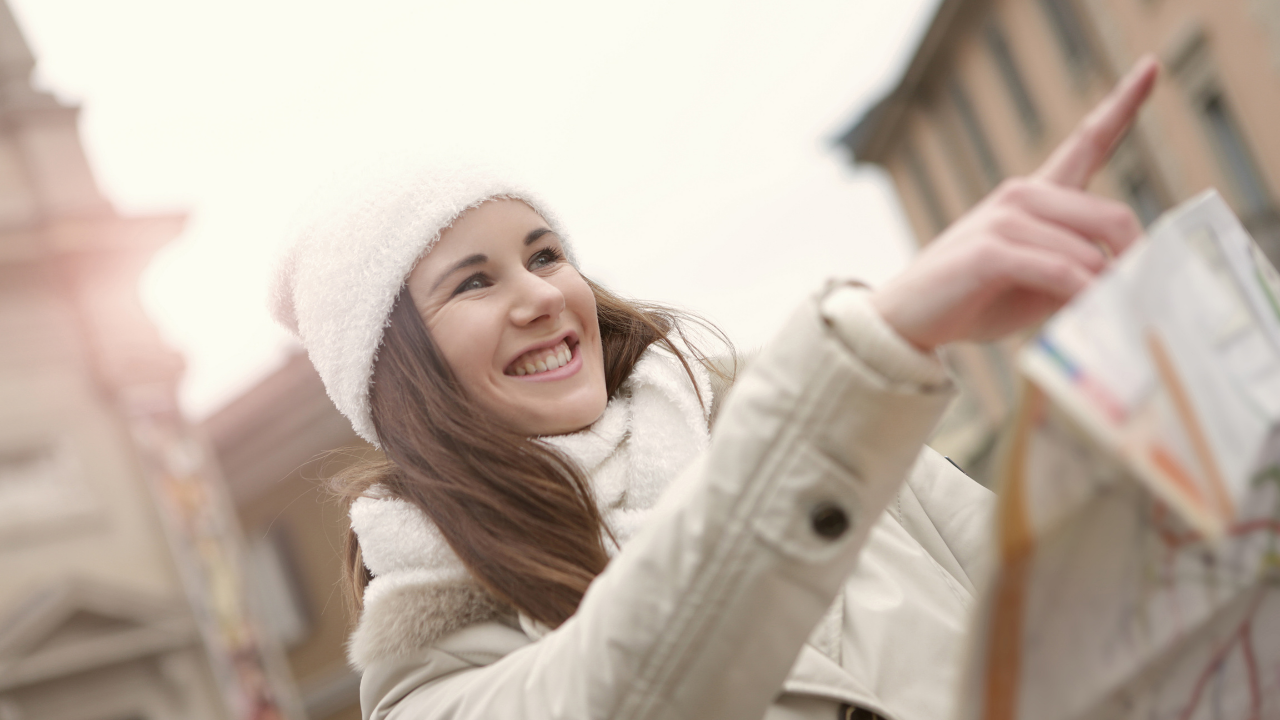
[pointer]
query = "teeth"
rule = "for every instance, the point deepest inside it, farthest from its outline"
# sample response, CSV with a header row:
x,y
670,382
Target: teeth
x,y
541,361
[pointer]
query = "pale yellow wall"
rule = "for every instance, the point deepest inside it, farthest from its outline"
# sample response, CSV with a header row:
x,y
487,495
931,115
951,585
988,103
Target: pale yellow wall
x,y
1240,47
1242,44
912,202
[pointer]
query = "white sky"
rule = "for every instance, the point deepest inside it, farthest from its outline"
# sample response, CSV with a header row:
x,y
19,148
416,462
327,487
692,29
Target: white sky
x,y
686,145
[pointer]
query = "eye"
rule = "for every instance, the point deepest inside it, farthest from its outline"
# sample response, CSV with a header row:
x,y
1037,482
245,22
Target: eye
x,y
545,258
475,282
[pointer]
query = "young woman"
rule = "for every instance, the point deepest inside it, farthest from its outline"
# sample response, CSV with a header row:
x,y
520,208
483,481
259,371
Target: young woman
x,y
556,532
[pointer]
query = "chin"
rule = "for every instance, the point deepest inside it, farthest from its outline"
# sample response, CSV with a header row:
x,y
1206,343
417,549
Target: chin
x,y
567,423
570,417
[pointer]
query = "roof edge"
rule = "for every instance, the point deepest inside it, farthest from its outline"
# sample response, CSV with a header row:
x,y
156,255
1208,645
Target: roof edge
x,y
868,136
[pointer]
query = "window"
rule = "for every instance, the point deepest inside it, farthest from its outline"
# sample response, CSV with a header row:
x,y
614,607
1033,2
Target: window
x,y
969,187
43,486
998,46
924,187
1141,195
1193,65
1233,153
1137,182
1068,27
990,170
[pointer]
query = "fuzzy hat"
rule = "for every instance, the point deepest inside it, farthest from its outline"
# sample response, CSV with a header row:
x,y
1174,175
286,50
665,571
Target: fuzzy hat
x,y
351,251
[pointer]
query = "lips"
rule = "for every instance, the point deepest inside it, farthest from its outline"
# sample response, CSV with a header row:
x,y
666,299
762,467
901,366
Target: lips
x,y
543,359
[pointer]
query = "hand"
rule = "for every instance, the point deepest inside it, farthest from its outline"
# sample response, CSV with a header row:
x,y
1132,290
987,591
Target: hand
x,y
1029,246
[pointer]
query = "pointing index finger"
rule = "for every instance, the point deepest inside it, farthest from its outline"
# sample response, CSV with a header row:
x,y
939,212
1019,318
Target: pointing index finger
x,y
1075,161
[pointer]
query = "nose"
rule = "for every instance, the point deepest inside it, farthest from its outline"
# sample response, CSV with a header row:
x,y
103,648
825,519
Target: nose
x,y
536,299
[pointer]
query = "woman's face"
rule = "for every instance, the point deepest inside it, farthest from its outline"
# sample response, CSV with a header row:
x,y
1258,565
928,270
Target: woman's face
x,y
515,321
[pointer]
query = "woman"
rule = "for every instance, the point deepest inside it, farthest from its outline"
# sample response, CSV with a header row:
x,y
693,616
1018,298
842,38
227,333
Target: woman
x,y
555,532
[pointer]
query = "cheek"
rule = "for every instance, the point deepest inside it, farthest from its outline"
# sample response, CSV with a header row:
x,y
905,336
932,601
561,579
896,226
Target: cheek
x,y
468,344
582,302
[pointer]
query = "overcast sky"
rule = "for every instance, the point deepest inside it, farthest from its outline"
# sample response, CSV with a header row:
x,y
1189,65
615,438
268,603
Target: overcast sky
x,y
686,145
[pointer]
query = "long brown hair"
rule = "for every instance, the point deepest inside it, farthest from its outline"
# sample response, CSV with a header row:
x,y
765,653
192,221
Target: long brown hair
x,y
520,516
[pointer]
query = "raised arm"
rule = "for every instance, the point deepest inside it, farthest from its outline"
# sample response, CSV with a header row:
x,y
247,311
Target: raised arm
x,y
1028,247
703,613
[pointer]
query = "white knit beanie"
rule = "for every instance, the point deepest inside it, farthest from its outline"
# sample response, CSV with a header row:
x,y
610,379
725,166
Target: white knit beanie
x,y
350,253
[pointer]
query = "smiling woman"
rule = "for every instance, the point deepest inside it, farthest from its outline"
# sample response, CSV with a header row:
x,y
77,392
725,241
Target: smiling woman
x,y
458,426
503,304
556,532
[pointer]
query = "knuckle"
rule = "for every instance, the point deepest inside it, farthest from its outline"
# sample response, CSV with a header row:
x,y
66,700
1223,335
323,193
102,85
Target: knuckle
x,y
1095,259
1122,221
1014,190
1057,275
1079,136
1060,273
1133,224
1004,221
1091,129
1095,140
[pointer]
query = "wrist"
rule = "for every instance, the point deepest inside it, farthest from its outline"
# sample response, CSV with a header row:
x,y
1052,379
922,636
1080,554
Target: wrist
x,y
850,312
890,311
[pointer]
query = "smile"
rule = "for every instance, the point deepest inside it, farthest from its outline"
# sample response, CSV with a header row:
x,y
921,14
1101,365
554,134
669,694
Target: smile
x,y
547,363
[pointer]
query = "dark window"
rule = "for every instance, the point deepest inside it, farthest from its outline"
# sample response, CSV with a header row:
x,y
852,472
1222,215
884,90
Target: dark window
x,y
1138,182
1191,61
977,139
1068,27
1233,153
998,46
1142,196
924,186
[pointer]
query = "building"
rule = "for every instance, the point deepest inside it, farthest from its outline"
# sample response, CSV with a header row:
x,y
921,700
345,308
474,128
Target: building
x,y
276,446
995,85
120,591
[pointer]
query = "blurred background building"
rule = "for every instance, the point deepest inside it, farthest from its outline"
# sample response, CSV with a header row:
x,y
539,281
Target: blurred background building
x,y
122,593
995,85
274,444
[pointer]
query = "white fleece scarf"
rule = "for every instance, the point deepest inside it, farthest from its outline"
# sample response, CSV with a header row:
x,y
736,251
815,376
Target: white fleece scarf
x,y
650,431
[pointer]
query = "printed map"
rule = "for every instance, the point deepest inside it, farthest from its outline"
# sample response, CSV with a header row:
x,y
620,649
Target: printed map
x,y
1139,571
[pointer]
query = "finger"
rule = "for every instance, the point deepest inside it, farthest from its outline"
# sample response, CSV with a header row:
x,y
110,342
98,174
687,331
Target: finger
x,y
1105,221
1076,160
1032,231
1040,270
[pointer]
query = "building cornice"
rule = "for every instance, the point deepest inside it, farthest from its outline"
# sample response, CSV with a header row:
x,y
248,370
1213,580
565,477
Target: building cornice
x,y
871,135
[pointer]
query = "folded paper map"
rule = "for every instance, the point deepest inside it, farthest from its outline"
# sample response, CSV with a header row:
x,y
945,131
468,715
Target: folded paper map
x,y
1138,557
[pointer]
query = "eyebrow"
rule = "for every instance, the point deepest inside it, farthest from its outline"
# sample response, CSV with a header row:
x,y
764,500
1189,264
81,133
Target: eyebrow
x,y
478,259
463,263
533,235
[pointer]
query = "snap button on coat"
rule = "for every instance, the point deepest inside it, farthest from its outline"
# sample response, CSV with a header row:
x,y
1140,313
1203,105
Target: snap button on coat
x,y
829,520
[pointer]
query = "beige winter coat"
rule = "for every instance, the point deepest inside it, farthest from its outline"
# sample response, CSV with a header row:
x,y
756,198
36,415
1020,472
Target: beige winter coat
x,y
789,573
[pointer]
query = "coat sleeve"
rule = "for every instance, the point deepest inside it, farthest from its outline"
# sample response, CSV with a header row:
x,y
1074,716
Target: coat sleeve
x,y
703,613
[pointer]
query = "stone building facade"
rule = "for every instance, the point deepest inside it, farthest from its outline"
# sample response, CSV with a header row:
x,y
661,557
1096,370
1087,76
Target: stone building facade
x,y
995,85
278,444
120,591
